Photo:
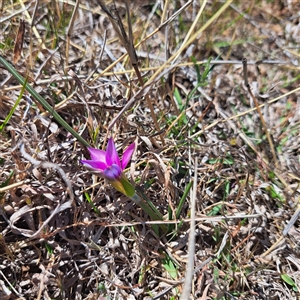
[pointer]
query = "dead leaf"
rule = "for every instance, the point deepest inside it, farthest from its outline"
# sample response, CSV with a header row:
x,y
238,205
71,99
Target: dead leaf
x,y
19,41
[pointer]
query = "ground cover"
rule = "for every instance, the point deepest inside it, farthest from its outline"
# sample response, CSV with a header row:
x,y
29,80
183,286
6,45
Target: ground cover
x,y
208,92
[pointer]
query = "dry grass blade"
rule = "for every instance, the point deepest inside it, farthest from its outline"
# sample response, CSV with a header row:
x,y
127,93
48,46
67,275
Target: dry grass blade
x,y
70,30
191,40
138,96
195,22
245,112
105,71
265,127
15,13
30,21
128,43
26,209
41,100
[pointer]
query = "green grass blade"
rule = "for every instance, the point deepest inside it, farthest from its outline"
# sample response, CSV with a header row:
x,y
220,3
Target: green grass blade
x,y
13,108
194,60
171,227
169,266
178,99
182,200
42,101
88,198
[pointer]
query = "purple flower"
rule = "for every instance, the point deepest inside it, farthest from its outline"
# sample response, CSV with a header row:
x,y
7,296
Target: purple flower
x,y
108,162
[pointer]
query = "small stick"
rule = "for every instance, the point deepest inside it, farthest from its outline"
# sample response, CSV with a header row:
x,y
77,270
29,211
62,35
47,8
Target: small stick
x,y
186,291
245,71
292,220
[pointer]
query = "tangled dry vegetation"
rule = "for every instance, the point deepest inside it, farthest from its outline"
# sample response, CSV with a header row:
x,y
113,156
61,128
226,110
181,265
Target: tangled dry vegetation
x,y
66,234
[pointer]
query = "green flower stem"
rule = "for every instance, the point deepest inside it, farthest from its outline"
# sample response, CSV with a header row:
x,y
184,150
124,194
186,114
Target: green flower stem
x,y
137,200
42,101
160,217
154,215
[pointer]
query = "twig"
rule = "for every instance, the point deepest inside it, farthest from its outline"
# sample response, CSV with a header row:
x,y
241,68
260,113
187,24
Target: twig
x,y
191,247
292,220
208,220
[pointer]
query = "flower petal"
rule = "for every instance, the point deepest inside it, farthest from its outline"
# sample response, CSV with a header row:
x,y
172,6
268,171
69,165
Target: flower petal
x,y
112,173
127,155
98,165
97,154
112,156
